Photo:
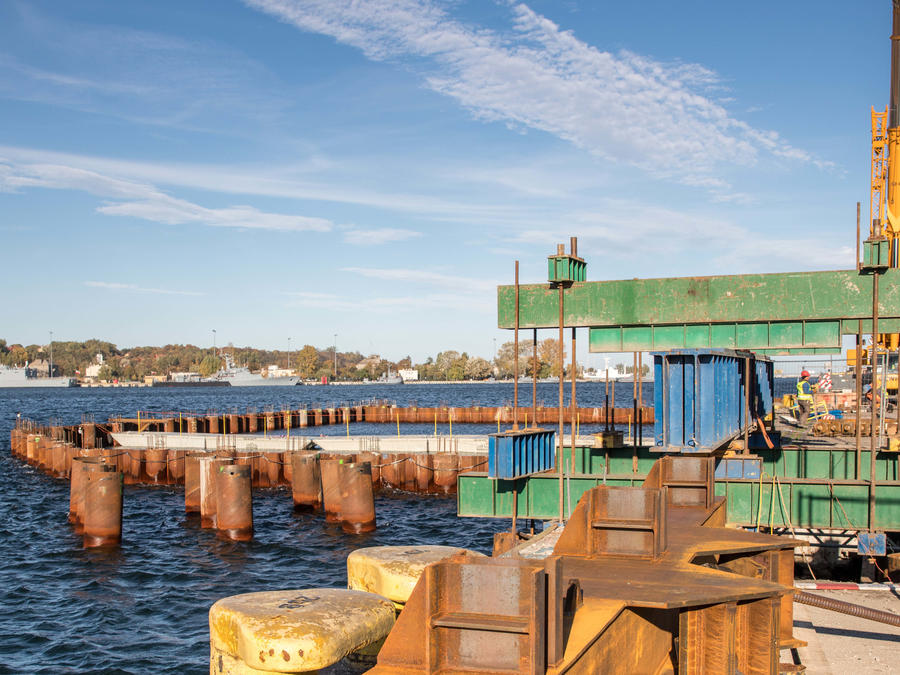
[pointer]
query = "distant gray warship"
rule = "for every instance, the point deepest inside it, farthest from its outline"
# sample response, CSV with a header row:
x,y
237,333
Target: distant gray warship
x,y
240,376
29,377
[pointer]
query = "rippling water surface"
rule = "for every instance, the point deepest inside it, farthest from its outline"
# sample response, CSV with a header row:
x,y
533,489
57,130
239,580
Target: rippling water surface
x,y
143,607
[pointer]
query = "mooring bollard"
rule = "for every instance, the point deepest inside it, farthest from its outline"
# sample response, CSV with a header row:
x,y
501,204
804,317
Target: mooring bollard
x,y
192,483
306,482
102,509
331,488
81,466
234,502
357,498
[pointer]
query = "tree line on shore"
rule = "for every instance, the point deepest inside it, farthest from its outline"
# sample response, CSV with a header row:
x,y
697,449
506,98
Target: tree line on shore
x,y
136,363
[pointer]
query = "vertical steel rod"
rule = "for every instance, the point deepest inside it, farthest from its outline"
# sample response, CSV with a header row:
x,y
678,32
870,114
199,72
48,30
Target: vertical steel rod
x,y
640,408
516,358
858,398
534,378
559,446
634,398
606,397
874,449
857,236
572,405
746,405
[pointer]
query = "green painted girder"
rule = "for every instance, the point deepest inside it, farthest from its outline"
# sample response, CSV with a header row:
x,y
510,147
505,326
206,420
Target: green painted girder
x,y
797,312
818,488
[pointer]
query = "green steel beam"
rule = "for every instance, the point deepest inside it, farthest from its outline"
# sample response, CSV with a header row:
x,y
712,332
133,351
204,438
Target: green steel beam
x,y
798,312
818,487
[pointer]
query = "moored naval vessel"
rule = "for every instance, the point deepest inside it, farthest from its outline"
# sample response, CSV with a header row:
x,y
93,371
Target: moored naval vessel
x,y
240,376
28,377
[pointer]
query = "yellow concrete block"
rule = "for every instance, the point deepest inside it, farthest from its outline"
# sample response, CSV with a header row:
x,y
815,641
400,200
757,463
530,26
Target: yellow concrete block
x,y
294,631
893,445
393,571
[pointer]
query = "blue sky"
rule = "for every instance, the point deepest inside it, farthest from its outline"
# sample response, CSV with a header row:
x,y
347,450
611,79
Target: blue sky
x,y
291,168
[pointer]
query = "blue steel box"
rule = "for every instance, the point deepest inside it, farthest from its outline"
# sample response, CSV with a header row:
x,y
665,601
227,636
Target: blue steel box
x,y
700,397
513,454
739,467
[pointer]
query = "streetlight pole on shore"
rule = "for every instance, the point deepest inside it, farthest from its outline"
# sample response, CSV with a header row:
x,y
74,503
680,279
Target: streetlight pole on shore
x,y
289,354
334,349
51,353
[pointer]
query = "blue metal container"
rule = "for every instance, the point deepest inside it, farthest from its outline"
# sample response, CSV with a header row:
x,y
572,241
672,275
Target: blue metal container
x,y
513,454
700,397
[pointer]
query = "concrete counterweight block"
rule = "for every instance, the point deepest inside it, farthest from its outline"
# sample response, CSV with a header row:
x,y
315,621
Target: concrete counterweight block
x,y
394,571
102,509
331,488
81,466
357,498
295,631
234,502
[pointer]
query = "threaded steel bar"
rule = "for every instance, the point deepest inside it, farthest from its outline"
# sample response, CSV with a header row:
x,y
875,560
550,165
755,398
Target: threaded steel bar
x,y
847,608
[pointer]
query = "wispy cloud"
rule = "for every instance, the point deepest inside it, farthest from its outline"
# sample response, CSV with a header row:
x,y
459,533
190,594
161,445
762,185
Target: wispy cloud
x,y
115,286
383,235
426,277
145,201
483,303
631,230
137,75
622,106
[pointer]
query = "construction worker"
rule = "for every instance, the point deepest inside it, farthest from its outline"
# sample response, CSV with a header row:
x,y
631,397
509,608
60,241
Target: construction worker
x,y
804,396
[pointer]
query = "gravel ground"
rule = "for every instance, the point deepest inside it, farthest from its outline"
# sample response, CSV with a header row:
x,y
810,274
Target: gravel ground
x,y
841,644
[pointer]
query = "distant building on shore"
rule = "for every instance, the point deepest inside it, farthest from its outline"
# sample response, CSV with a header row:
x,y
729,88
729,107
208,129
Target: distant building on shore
x,y
408,374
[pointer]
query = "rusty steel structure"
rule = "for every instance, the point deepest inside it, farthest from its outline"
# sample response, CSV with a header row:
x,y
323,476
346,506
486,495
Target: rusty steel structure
x,y
642,579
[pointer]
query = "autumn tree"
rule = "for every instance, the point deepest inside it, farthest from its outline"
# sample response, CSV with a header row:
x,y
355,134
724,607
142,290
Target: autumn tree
x,y
308,361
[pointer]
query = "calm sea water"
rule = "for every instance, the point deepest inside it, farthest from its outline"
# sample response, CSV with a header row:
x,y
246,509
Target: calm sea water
x,y
143,607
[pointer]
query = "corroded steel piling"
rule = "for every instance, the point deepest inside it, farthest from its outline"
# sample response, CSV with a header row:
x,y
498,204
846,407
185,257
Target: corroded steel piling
x,y
306,482
252,422
209,468
192,483
155,464
88,435
374,460
234,502
81,466
331,488
272,463
357,498
102,509
175,466
137,465
445,470
424,465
